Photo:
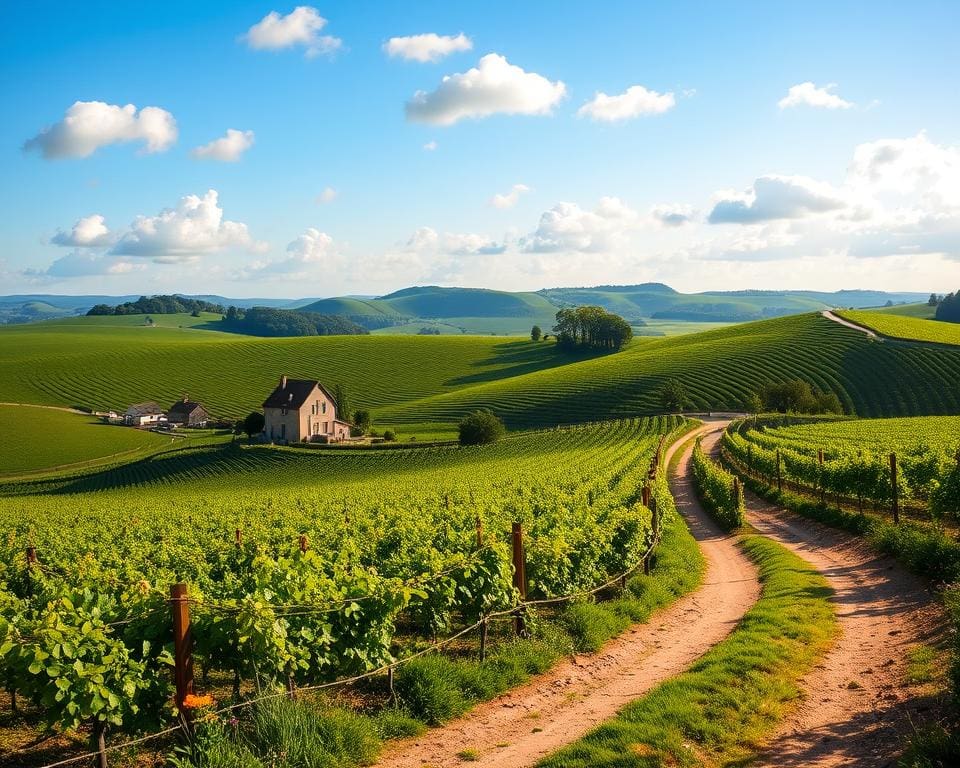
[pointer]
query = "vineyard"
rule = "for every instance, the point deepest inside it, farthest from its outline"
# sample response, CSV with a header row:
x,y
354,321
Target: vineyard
x,y
335,570
879,462
904,327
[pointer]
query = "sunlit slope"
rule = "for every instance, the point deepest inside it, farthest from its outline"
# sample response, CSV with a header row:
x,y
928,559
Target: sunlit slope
x,y
111,367
906,327
719,368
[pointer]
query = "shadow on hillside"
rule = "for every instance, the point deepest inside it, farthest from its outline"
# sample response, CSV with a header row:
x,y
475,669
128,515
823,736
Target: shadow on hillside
x,y
515,358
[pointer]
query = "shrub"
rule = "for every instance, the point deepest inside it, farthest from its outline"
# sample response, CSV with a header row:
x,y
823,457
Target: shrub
x,y
429,688
481,427
254,423
389,435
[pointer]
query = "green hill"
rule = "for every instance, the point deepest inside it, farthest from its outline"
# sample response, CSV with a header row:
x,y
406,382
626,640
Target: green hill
x,y
907,327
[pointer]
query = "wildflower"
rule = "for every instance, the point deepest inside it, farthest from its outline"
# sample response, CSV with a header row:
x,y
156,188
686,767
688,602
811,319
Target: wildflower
x,y
193,701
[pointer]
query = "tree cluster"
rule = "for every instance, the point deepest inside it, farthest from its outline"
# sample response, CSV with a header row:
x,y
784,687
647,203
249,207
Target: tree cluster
x,y
948,308
798,396
591,328
480,427
157,305
266,321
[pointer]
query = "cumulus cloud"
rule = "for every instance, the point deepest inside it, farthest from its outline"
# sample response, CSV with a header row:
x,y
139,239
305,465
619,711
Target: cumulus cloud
x,y
83,264
569,228
307,256
328,195
777,197
634,102
427,47
809,95
301,27
430,146
673,215
426,240
88,232
89,125
494,86
226,149
509,199
195,227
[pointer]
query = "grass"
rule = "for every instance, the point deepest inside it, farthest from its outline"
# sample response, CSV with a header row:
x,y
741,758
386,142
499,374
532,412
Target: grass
x,y
723,707
922,665
906,327
37,439
921,310
409,380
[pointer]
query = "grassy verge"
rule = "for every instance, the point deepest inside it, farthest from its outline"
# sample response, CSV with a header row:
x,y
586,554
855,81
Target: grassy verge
x,y
722,708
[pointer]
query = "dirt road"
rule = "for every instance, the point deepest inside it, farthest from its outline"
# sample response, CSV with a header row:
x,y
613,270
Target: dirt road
x,y
523,725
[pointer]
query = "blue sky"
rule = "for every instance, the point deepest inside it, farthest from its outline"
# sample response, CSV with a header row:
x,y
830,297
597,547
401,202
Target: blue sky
x,y
709,176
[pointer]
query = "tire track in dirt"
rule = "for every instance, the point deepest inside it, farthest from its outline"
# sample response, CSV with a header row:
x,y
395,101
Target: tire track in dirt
x,y
856,709
527,723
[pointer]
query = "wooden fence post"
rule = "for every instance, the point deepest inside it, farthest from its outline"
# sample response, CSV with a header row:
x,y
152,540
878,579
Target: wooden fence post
x,y
304,544
238,538
779,473
100,742
519,575
894,489
182,646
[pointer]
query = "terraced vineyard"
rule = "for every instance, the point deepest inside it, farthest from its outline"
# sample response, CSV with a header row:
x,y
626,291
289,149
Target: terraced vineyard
x,y
411,380
906,327
405,544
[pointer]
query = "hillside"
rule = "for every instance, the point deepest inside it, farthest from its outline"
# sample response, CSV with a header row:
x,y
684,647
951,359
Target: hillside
x,y
412,380
906,327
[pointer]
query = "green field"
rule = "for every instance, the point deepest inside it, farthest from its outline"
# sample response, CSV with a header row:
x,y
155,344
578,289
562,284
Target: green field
x,y
408,380
37,439
910,328
921,310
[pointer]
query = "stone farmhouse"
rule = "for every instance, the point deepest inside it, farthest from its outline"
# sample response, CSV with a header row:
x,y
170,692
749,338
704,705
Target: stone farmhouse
x,y
186,413
302,410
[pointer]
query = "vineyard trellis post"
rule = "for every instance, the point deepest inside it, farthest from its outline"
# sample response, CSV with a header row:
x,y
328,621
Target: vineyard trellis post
x,y
303,542
894,490
519,576
182,646
238,538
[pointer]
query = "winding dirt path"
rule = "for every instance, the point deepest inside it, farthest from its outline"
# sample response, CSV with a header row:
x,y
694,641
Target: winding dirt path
x,y
856,710
527,723
862,328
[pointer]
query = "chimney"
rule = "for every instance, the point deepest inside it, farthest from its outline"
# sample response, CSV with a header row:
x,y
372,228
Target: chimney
x,y
283,382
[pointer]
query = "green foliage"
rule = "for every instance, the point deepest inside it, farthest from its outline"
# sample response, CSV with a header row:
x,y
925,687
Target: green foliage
x,y
719,491
480,427
591,625
389,435
362,421
674,396
536,333
797,396
941,330
268,321
253,423
591,327
157,305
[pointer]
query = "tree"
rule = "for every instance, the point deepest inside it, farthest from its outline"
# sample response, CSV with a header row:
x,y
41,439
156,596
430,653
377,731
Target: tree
x,y
753,404
931,302
673,396
797,396
591,328
949,308
254,423
481,427
361,422
536,333
341,400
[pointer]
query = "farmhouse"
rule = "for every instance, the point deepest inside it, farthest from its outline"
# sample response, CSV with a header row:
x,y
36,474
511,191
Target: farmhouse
x,y
302,409
187,413
144,414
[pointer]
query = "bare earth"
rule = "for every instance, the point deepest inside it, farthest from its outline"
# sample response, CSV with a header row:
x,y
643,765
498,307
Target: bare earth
x,y
837,319
855,709
527,723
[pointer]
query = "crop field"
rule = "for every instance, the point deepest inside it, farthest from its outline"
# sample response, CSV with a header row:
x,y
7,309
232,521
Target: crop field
x,y
906,327
923,311
401,552
856,453
409,380
36,439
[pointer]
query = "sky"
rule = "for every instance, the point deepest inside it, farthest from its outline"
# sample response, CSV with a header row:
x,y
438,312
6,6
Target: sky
x,y
273,150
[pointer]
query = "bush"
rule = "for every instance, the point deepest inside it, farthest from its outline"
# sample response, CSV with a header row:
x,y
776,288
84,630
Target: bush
x,y
389,435
481,427
429,688
254,423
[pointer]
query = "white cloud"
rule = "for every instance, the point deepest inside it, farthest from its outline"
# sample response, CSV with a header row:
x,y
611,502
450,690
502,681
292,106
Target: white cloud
x,y
426,240
300,27
495,86
328,195
430,146
226,149
89,125
634,102
672,215
569,228
807,94
509,199
88,232
427,47
313,254
83,264
776,197
196,226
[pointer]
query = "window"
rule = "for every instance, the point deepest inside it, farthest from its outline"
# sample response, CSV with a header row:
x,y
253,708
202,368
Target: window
x,y
324,406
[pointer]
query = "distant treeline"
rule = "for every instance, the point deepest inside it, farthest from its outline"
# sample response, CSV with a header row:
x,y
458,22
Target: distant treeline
x,y
591,327
265,321
156,305
948,308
